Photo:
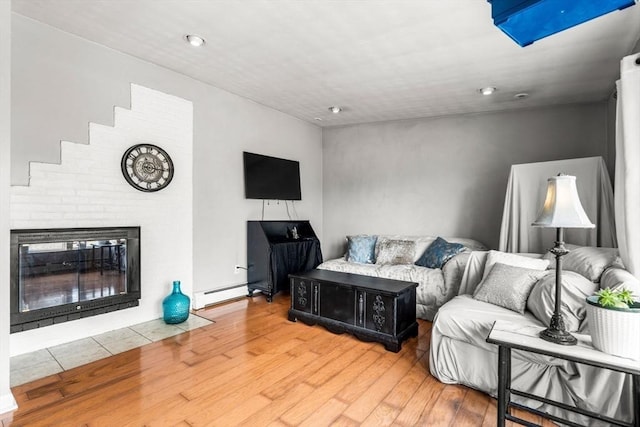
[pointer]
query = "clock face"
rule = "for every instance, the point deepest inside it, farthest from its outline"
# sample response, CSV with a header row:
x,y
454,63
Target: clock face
x,y
147,167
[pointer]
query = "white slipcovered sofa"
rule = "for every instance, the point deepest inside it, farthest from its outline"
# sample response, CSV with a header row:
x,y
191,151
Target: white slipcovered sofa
x,y
459,353
436,286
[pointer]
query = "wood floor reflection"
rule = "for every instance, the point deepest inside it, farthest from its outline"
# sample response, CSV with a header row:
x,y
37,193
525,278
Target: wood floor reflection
x,y
253,367
51,290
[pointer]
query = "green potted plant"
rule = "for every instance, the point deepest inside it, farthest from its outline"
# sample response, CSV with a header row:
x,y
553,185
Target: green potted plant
x,y
614,322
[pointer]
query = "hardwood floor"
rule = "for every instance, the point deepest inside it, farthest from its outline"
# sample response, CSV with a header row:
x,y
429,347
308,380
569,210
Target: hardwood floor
x,y
253,367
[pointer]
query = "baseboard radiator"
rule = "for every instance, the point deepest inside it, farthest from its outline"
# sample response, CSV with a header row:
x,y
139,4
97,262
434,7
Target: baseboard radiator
x,y
205,298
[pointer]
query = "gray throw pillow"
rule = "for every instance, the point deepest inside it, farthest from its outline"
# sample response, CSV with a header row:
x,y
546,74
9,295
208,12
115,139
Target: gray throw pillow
x,y
508,286
575,289
395,252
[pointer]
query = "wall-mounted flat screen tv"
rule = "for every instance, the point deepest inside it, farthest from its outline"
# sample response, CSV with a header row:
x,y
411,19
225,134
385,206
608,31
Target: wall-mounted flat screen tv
x,y
271,178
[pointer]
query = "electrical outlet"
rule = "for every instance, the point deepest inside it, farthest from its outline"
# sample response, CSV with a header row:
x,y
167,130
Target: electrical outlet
x,y
237,269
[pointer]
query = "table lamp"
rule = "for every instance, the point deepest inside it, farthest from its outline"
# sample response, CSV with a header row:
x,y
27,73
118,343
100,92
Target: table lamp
x,y
562,209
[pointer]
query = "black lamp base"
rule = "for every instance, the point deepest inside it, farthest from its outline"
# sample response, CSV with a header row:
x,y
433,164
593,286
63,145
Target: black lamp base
x,y
557,333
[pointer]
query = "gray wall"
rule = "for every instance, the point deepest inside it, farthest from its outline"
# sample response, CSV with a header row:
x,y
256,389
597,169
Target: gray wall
x,y
443,176
62,82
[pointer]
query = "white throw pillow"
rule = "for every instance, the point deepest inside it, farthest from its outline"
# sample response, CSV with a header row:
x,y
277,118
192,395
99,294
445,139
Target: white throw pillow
x,y
506,258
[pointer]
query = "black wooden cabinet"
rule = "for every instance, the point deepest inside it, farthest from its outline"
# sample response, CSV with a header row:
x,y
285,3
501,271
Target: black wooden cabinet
x,y
371,308
277,248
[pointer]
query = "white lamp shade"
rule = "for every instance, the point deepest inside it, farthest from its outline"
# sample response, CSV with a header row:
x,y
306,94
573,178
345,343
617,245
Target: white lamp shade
x,y
562,207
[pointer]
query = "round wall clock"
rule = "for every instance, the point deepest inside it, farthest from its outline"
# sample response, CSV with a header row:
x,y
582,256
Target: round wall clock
x,y
147,167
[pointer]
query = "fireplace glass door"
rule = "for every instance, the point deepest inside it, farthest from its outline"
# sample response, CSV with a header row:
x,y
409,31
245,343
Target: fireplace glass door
x,y
64,274
58,273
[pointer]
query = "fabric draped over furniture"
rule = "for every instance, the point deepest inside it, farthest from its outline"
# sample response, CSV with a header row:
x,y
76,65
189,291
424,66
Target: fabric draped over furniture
x,y
287,257
459,353
627,197
525,195
436,286
462,328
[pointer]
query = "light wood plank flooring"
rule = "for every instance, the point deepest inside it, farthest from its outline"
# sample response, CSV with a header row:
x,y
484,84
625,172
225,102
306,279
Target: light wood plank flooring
x,y
253,367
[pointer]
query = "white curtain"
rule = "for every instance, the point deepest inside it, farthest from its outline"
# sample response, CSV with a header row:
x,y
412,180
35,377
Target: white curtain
x,y
627,179
525,195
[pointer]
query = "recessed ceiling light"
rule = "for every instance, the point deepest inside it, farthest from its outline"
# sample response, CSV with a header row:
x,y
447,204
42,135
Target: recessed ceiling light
x,y
335,110
487,90
521,95
194,40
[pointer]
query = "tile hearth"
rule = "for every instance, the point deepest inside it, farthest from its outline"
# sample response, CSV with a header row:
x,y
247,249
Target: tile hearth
x,y
41,363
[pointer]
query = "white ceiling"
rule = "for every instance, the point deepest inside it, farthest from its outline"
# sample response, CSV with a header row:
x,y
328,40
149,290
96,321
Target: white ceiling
x,y
378,59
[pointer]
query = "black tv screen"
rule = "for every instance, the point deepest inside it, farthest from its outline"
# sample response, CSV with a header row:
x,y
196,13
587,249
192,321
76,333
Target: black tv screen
x,y
271,178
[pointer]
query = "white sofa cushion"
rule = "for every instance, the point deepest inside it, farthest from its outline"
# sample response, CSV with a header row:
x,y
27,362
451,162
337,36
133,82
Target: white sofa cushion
x,y
515,260
588,261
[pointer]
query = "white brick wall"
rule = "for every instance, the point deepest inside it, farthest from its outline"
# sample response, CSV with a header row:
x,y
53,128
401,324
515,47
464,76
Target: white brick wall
x,y
88,190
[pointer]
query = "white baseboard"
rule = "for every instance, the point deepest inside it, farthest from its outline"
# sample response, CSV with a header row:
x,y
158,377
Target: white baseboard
x,y
7,403
202,299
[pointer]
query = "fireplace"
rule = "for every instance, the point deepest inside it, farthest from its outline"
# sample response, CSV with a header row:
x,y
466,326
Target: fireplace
x,y
58,275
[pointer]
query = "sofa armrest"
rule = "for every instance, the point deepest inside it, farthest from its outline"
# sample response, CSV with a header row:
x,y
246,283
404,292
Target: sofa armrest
x,y
615,277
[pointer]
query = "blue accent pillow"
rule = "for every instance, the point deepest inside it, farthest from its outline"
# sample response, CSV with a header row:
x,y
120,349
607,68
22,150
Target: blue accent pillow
x,y
438,253
361,249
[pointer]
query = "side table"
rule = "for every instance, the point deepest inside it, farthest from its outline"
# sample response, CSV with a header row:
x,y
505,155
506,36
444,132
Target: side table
x,y
508,336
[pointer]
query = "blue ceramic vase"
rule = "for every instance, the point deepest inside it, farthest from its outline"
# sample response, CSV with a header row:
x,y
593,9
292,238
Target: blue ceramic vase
x,y
175,306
